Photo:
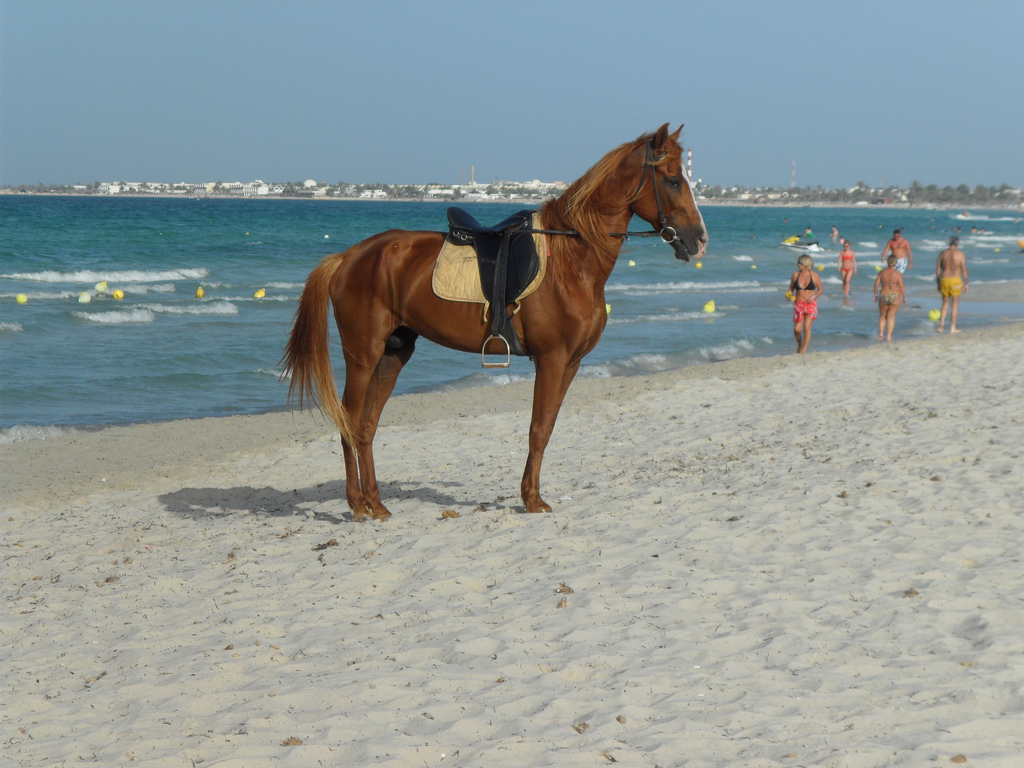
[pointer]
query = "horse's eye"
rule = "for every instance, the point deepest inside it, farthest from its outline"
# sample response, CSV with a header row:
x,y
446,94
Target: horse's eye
x,y
675,182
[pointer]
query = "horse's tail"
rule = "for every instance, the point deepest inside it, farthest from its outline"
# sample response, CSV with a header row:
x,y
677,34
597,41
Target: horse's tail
x,y
307,356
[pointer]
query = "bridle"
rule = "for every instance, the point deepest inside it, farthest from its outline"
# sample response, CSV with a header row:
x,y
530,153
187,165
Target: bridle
x,y
667,233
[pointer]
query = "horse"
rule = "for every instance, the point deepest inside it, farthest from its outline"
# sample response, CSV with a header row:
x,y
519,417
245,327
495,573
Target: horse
x,y
381,294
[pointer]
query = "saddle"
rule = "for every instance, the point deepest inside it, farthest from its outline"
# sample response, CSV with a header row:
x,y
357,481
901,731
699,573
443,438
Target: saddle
x,y
507,258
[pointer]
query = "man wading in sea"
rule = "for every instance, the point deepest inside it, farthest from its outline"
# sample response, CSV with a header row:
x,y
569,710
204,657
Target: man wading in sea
x,y
951,277
901,250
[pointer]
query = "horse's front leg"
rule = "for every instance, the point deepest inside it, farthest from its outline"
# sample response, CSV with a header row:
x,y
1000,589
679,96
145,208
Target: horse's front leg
x,y
553,379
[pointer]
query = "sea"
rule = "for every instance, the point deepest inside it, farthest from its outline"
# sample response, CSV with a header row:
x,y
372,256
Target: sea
x,y
73,356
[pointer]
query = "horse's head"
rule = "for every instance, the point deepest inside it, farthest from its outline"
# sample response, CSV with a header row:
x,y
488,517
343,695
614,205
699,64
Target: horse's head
x,y
668,203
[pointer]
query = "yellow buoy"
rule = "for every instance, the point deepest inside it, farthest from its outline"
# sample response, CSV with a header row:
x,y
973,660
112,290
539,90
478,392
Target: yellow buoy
x,y
820,267
878,267
118,294
101,287
710,306
607,309
632,263
84,297
934,315
698,265
200,293
260,293
753,266
998,250
21,298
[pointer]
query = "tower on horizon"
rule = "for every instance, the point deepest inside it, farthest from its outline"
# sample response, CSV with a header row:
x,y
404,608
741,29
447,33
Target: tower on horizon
x,y
792,178
689,162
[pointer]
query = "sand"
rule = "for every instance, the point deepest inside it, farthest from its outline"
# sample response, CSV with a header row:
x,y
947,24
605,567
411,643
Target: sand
x,y
786,561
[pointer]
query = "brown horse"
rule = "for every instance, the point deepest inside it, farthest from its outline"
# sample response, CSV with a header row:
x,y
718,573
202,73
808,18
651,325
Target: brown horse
x,y
383,300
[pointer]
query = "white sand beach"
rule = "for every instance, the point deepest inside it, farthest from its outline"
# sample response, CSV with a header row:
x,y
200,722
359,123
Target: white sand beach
x,y
786,561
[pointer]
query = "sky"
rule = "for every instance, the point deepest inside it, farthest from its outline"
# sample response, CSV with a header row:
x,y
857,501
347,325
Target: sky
x,y
415,92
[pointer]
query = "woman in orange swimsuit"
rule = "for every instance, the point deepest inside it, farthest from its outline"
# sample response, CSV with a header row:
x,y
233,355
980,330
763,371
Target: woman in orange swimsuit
x,y
847,266
805,290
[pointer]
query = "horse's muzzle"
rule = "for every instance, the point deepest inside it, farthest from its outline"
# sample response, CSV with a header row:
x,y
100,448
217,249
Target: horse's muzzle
x,y
695,247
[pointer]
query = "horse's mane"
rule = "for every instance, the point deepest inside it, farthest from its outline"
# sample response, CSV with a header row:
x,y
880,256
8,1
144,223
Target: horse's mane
x,y
580,208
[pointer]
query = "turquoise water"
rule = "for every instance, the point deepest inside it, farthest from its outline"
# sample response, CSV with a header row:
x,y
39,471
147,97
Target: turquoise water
x,y
160,353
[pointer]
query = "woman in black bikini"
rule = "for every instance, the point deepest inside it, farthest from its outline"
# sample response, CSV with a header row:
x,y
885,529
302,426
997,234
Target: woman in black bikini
x,y
805,290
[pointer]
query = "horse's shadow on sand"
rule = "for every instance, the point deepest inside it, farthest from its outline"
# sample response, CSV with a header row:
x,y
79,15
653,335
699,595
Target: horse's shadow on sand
x,y
207,503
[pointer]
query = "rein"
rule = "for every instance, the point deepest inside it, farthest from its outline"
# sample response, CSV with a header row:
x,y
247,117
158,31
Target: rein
x,y
649,162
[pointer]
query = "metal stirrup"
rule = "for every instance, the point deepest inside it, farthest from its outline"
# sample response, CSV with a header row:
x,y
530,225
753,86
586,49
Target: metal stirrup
x,y
508,353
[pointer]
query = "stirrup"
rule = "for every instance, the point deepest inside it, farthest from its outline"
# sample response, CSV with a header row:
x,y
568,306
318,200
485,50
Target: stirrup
x,y
508,353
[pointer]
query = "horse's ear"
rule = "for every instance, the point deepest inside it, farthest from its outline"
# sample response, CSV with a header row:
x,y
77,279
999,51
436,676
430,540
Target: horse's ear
x,y
660,136
675,136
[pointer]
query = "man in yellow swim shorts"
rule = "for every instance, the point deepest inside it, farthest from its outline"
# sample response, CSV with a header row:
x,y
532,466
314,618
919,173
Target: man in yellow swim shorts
x,y
951,276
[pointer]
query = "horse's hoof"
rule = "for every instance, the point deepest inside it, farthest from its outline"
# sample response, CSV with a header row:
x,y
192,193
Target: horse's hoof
x,y
537,507
361,517
381,514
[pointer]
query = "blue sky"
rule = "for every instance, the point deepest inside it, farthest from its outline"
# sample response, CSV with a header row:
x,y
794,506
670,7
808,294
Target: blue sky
x,y
414,92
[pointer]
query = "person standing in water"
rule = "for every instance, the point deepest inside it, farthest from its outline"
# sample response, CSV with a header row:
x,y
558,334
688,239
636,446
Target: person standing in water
x,y
889,293
951,277
847,266
805,290
900,248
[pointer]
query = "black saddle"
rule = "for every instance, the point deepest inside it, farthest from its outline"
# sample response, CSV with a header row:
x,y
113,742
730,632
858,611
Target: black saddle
x,y
507,258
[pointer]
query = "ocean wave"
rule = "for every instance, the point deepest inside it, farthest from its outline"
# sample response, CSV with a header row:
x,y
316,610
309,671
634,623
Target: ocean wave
x,y
668,317
17,434
743,258
285,286
649,289
11,327
93,276
121,317
265,298
140,289
213,308
44,295
867,244
728,350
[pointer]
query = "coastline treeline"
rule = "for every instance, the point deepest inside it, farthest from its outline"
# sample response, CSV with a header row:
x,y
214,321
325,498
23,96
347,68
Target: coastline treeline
x,y
963,195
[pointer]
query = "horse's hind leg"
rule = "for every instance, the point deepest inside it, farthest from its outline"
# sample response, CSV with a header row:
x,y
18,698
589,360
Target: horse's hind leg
x,y
382,384
366,393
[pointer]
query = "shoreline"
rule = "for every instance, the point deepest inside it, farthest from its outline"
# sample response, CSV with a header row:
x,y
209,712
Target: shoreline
x,y
1019,208
1010,291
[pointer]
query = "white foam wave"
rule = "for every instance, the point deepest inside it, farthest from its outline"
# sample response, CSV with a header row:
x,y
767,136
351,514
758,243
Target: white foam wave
x,y
743,258
93,276
265,298
650,289
44,295
726,351
122,317
213,308
18,433
140,289
285,286
11,327
867,244
668,317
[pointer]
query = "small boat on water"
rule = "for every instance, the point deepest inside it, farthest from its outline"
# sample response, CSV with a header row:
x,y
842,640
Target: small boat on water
x,y
964,216
796,243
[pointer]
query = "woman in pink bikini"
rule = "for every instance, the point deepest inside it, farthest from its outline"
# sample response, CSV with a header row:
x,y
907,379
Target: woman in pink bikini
x,y
847,266
805,290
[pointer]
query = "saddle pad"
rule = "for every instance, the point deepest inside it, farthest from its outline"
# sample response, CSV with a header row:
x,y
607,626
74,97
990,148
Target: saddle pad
x,y
457,274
